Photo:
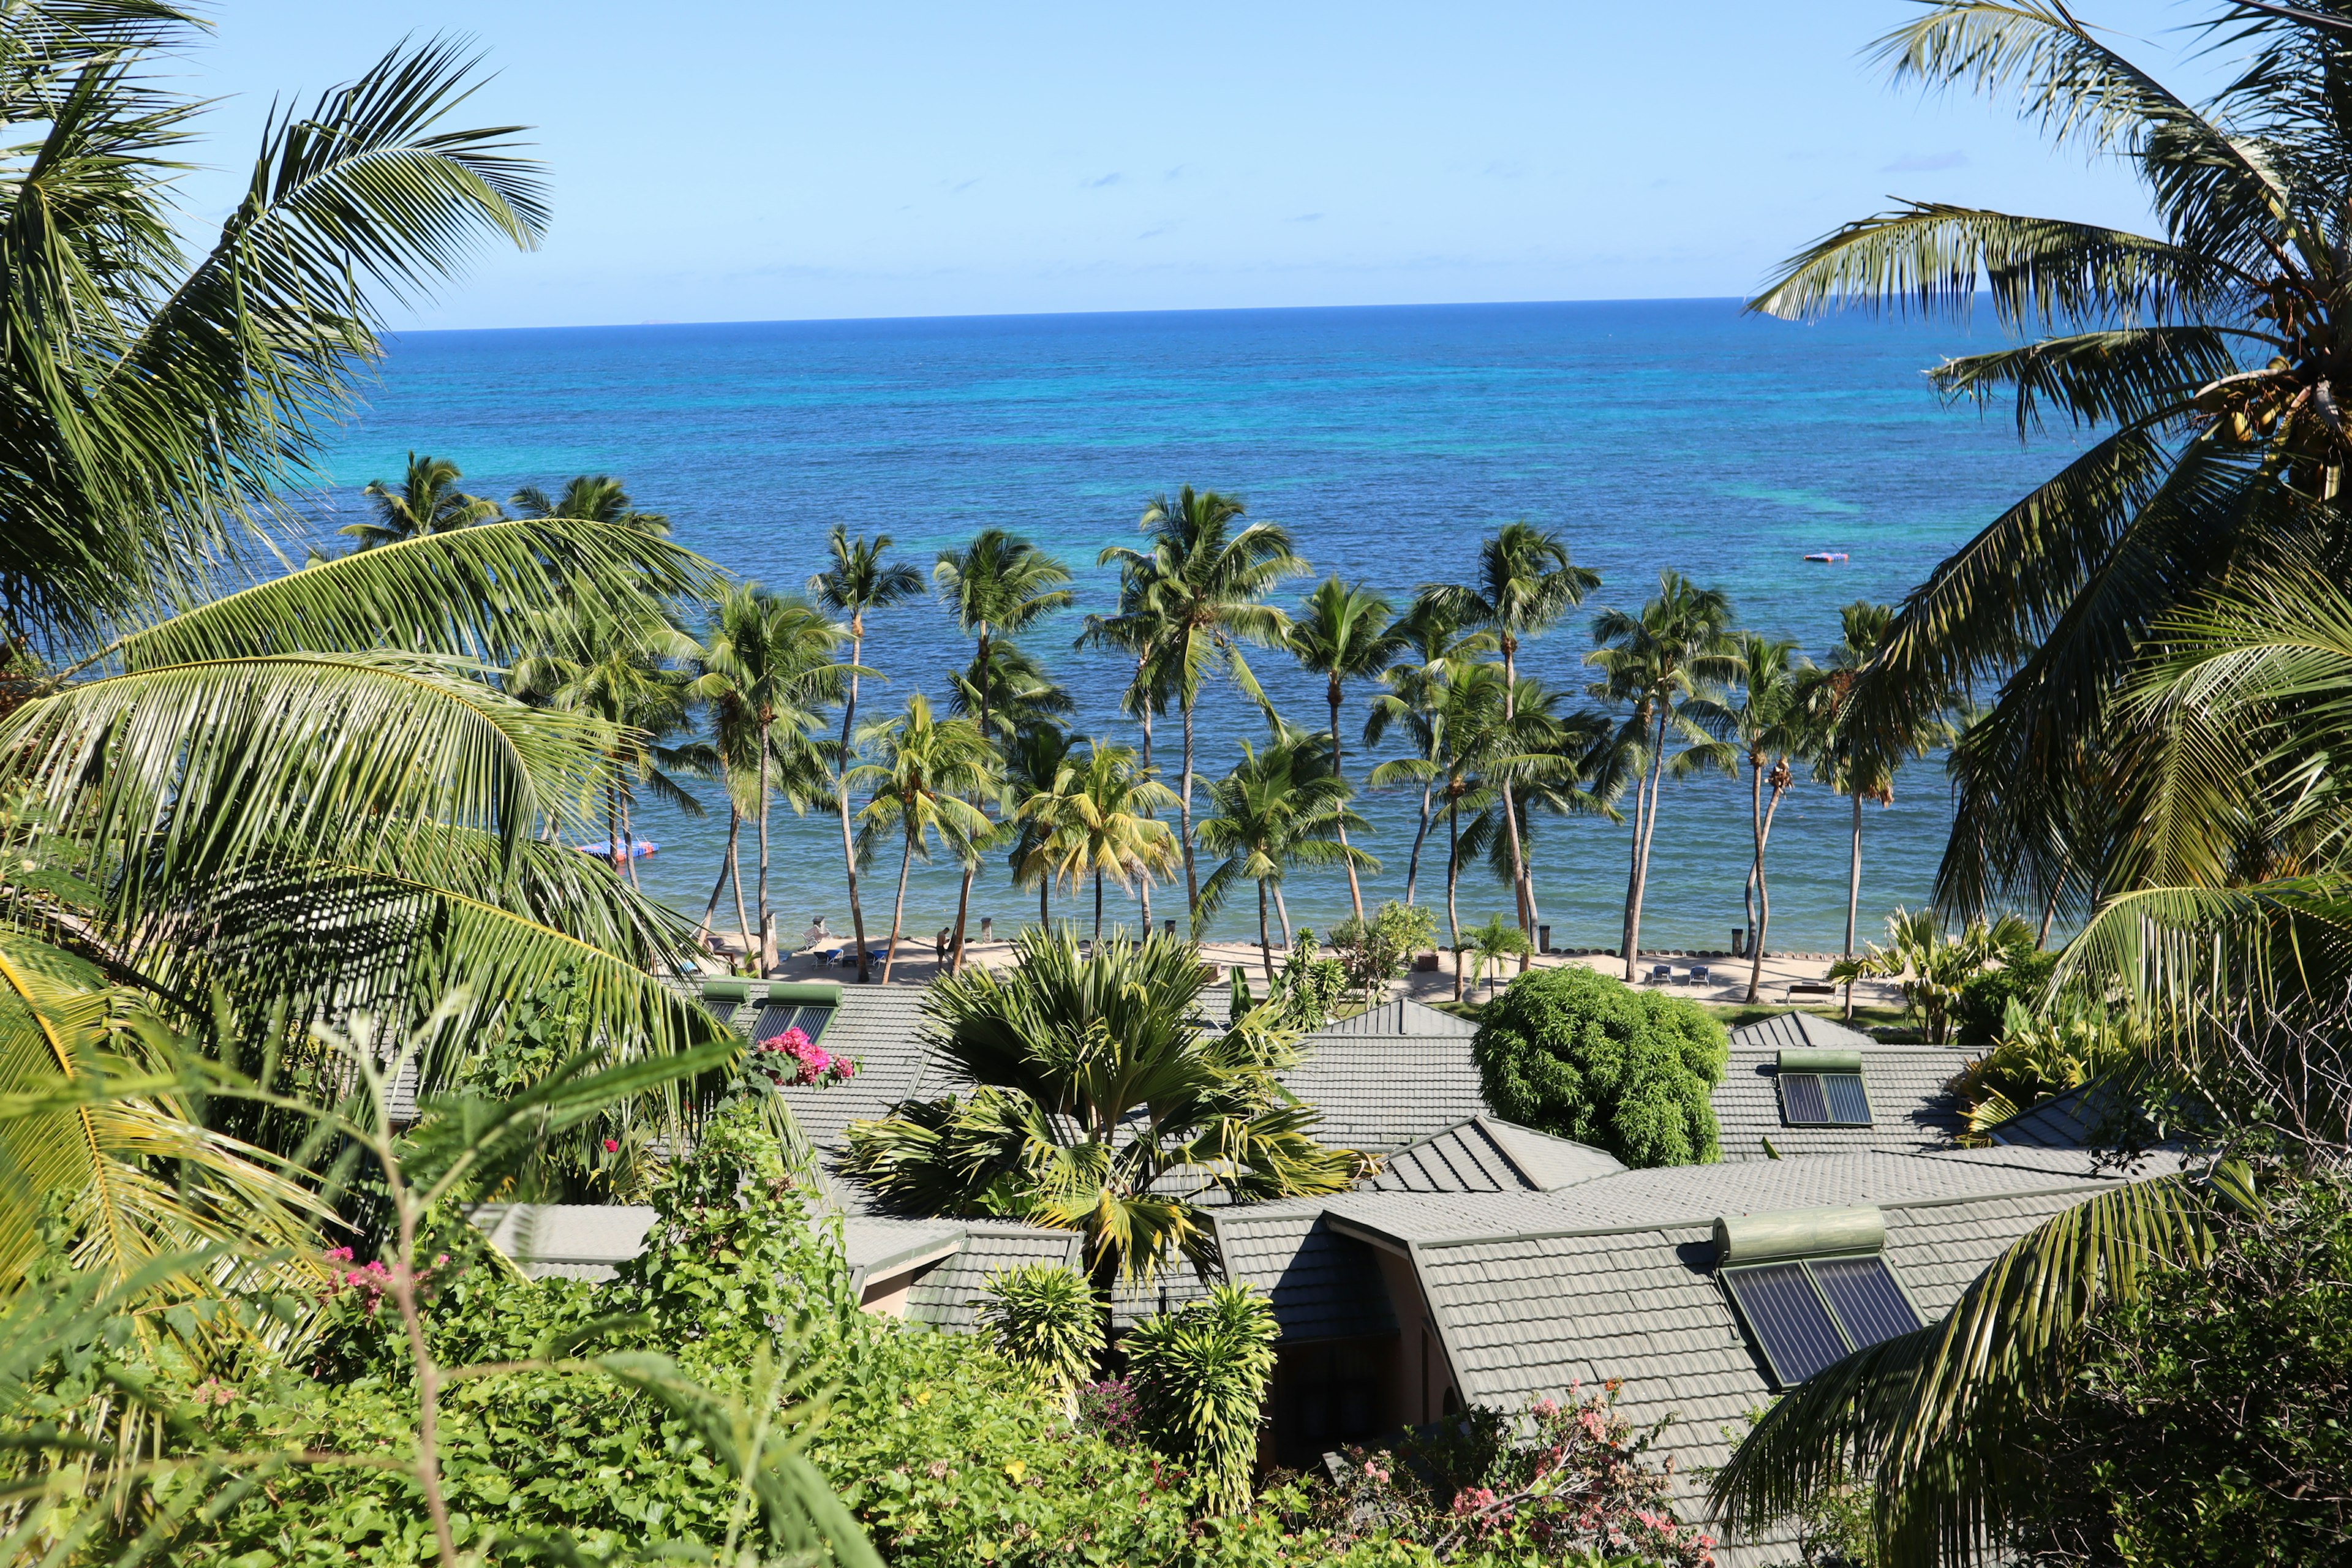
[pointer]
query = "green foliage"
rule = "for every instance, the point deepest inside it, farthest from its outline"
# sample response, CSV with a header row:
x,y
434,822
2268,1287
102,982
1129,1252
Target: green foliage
x,y
1932,967
1044,1318
1490,945
1201,1374
1240,1002
2039,1055
1308,988
2210,1423
1983,1007
1379,949
1576,1482
1574,1053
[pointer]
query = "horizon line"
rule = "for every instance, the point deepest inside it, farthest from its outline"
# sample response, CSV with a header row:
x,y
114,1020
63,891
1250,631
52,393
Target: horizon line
x,y
1066,315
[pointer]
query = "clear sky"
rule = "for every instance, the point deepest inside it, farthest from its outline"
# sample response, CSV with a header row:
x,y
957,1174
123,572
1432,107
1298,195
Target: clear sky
x,y
733,160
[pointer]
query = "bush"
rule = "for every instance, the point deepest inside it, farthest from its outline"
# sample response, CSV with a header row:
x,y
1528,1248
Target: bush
x,y
1044,1320
1309,987
1379,949
1580,1483
1201,1376
1574,1053
1985,999
2210,1424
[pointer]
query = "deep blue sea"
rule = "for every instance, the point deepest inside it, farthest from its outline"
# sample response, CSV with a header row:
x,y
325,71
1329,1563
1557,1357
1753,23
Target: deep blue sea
x,y
1651,434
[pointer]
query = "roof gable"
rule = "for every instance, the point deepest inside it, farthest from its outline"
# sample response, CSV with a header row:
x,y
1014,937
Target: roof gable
x,y
1484,1155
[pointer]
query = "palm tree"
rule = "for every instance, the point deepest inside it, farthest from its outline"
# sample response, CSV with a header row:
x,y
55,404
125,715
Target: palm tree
x,y
1933,966
1200,582
1013,688
862,579
594,497
925,767
287,796
427,500
618,667
1070,1053
2210,348
1134,629
1437,648
1771,723
995,586
1525,583
1344,634
1465,720
773,656
1096,819
1280,807
1490,945
1032,763
1668,665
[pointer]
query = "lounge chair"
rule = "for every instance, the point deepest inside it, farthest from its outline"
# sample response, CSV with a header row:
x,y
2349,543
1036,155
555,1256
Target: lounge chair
x,y
1662,975
1698,975
1810,988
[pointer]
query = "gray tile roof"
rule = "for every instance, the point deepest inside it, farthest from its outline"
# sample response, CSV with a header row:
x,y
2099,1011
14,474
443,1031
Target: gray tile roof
x,y
1482,1155
877,1248
1401,1016
570,1241
2089,1116
1323,1285
1380,1093
943,1297
880,1026
1908,1107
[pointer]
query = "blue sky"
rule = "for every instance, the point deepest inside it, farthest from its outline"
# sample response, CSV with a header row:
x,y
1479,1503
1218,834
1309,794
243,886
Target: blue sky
x,y
726,159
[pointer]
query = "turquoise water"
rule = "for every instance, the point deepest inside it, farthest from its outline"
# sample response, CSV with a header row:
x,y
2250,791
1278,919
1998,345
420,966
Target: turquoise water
x,y
1652,435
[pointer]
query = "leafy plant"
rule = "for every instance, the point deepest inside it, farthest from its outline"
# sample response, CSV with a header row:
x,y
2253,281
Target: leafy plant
x,y
1379,949
1573,1052
1201,1376
1044,1320
1491,943
1932,967
2022,976
1309,986
2039,1055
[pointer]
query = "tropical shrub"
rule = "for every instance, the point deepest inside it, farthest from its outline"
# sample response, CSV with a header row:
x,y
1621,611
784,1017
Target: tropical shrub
x,y
1309,987
1379,949
1575,1053
2039,1055
1580,1481
2210,1423
1201,1376
1932,967
1983,1007
1044,1318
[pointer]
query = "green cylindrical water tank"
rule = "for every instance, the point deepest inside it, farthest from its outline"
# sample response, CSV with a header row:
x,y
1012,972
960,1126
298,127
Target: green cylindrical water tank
x,y
1797,1232
726,991
1821,1061
804,994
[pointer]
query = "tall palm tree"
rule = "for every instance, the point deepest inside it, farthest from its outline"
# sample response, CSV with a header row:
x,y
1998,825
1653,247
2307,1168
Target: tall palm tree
x,y
1070,1053
1667,666
925,766
1471,738
774,655
426,501
996,586
1343,632
1200,583
289,792
1134,630
1526,583
594,497
1281,807
1032,763
1771,723
621,667
1011,688
2210,348
862,579
1434,646
1096,821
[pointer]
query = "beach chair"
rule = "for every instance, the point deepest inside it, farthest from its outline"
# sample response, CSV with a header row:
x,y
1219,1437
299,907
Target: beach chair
x,y
1662,975
1699,974
1810,988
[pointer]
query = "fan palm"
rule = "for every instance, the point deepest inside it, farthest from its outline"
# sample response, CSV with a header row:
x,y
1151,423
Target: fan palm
x,y
1096,819
861,580
772,655
1343,632
1072,1054
1526,583
594,497
2211,348
296,791
426,501
995,586
1667,666
1281,807
1200,583
1771,723
926,766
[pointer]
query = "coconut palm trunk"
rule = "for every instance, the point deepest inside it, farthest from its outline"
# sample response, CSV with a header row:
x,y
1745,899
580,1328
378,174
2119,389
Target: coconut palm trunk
x,y
1282,912
899,909
971,860
1185,809
1853,895
1520,892
1645,806
1452,875
767,921
1264,939
735,878
1099,882
841,790
1355,890
1421,835
734,829
1144,883
628,844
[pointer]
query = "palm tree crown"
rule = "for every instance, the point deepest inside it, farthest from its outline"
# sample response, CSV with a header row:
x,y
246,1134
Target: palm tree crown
x,y
594,497
1343,632
427,500
1094,819
1280,807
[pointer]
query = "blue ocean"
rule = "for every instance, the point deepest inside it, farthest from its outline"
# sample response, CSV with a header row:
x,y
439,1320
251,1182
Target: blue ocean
x,y
1651,434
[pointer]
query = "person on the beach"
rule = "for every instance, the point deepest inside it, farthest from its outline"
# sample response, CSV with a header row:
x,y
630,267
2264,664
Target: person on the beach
x,y
816,935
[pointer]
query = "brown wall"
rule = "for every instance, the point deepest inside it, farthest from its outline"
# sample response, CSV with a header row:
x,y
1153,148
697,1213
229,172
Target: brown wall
x,y
1420,1376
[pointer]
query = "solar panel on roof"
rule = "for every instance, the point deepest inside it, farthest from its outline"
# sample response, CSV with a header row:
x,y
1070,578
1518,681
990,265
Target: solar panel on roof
x,y
1866,1297
1823,1100
1788,1318
773,1021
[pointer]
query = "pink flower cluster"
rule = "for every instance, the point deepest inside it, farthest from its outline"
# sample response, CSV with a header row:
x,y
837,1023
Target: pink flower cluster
x,y
793,1058
371,1280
